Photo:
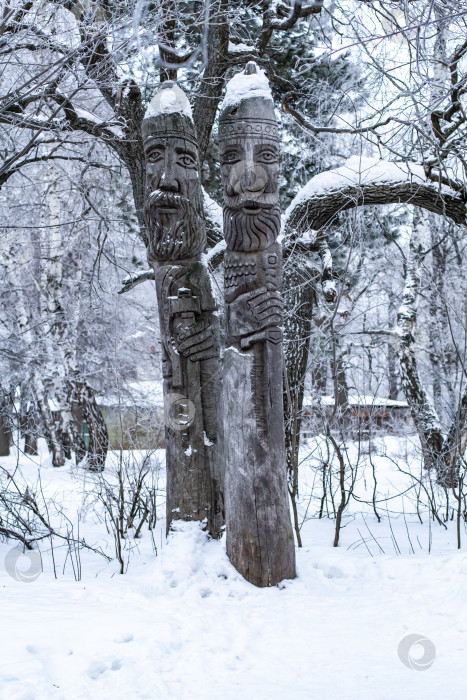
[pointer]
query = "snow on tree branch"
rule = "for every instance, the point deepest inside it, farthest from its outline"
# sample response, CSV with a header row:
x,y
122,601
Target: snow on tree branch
x,y
365,180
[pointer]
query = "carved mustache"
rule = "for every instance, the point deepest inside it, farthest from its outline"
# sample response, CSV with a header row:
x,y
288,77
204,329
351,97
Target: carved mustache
x,y
158,198
264,201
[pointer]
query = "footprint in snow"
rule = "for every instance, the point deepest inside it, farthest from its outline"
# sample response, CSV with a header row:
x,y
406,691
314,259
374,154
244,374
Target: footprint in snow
x,y
97,668
124,638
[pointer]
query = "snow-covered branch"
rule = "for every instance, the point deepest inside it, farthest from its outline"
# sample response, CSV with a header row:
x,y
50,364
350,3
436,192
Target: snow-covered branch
x,y
135,279
370,181
307,124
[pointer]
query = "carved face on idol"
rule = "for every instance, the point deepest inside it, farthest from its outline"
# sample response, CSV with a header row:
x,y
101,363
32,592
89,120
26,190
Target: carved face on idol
x,y
174,208
249,170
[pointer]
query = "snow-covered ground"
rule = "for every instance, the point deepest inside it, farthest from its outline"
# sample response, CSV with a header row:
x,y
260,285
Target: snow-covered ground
x,y
184,624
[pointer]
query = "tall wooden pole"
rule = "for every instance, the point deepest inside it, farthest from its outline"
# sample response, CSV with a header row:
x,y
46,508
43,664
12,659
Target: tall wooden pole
x,y
259,532
187,310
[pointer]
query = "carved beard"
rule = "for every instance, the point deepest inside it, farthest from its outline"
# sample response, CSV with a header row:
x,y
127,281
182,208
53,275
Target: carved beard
x,y
251,232
174,236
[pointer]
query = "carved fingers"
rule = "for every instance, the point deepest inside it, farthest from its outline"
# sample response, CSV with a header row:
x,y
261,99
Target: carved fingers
x,y
197,342
266,307
254,311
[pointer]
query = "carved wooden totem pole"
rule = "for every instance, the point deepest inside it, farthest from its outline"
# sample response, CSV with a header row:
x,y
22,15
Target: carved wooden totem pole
x,y
187,309
260,540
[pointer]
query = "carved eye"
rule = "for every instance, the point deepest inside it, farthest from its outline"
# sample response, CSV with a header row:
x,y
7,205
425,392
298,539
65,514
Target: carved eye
x,y
267,157
230,157
186,160
154,156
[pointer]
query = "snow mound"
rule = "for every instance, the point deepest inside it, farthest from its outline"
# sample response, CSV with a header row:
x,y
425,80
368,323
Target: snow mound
x,y
243,86
190,558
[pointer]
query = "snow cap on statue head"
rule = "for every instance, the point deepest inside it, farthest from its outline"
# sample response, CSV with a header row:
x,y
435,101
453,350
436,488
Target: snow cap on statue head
x,y
248,108
169,114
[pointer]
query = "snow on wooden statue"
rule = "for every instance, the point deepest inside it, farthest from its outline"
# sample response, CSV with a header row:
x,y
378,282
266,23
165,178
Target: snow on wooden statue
x,y
259,532
187,310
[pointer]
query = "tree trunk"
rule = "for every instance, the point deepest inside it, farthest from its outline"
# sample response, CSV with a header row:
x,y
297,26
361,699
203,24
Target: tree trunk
x,y
5,427
210,90
49,427
393,377
36,382
30,434
437,454
98,436
300,280
438,326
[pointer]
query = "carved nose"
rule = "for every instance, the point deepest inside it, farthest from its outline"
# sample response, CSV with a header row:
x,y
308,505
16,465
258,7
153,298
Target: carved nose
x,y
168,182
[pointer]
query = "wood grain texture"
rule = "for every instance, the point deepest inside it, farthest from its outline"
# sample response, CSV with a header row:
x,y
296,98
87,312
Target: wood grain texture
x,y
259,532
189,324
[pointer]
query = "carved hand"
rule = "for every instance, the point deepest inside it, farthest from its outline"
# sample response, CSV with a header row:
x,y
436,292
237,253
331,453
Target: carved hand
x,y
253,311
197,341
